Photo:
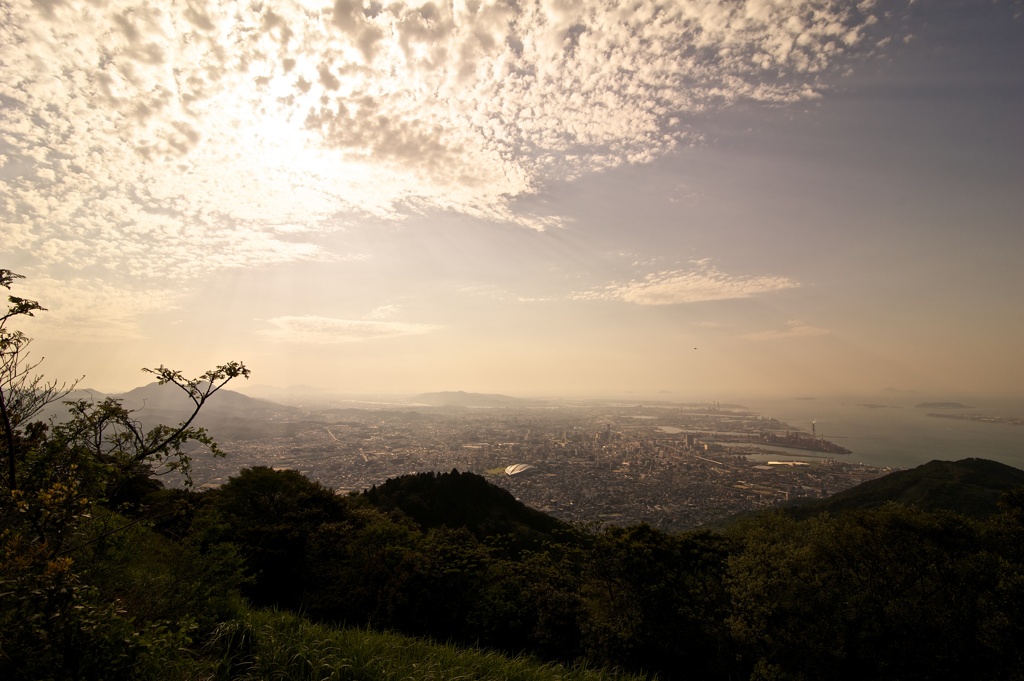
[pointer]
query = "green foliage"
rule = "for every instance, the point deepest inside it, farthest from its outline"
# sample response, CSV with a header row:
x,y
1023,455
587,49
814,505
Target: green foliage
x,y
532,602
272,517
160,580
55,624
84,592
271,645
457,500
848,596
23,394
359,565
971,487
658,601
831,597
430,583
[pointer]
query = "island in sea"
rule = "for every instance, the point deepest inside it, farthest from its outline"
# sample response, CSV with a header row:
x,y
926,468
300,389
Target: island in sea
x,y
981,418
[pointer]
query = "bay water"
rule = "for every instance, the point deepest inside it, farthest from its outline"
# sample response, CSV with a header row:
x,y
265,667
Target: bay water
x,y
893,431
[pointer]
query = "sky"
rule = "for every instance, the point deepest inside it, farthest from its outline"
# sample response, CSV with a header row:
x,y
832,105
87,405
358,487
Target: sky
x,y
689,199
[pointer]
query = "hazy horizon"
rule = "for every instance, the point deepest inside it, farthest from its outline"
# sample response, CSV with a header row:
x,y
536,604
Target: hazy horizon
x,y
696,198
886,397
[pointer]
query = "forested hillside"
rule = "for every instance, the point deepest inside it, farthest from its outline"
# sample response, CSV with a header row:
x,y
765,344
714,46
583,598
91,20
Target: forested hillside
x,y
972,487
889,593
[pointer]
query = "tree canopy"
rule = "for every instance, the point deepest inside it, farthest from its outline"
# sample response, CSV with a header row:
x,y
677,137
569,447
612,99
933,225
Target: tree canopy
x,y
59,490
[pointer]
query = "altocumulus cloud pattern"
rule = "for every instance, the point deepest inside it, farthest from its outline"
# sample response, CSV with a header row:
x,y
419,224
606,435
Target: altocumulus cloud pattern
x,y
223,133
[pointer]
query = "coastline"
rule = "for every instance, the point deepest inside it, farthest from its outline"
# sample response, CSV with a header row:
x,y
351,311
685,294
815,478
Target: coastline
x,y
901,436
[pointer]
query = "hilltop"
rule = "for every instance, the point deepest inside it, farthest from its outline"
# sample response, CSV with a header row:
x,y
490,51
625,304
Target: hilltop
x,y
971,487
467,500
169,398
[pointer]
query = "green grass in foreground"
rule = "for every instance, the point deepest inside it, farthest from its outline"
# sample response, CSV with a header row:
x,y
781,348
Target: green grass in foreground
x,y
285,647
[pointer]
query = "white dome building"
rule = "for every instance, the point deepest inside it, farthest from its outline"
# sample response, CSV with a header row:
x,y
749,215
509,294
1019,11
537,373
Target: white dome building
x,y
517,469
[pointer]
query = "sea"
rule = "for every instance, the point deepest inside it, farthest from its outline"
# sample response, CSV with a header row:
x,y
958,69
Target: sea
x,y
894,432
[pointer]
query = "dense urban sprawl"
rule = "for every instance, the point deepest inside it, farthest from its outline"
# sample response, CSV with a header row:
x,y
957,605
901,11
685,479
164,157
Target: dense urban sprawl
x,y
673,467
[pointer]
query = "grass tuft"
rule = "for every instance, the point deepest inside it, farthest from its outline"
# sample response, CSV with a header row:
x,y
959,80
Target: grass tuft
x,y
264,645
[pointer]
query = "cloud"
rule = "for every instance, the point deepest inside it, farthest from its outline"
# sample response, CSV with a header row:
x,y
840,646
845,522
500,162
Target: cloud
x,y
794,329
703,282
385,312
325,330
91,309
164,141
196,129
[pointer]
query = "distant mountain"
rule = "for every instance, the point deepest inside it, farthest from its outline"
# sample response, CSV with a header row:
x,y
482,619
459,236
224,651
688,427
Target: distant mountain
x,y
59,410
228,415
467,500
971,487
170,398
84,394
464,399
943,405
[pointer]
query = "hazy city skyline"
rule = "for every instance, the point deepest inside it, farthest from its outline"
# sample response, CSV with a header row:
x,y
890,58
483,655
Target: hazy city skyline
x,y
693,199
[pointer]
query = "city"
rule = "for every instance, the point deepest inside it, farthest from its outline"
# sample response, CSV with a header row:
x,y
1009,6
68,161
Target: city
x,y
672,466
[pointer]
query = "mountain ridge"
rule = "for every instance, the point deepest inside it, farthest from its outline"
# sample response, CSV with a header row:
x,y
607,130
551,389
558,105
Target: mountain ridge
x,y
971,487
461,398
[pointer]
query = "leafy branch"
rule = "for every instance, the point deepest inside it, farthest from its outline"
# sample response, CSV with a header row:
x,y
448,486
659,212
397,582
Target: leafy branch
x,y
23,394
